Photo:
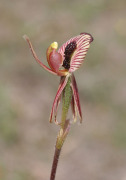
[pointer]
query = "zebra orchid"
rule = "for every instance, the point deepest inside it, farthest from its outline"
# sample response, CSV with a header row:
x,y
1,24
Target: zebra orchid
x,y
64,62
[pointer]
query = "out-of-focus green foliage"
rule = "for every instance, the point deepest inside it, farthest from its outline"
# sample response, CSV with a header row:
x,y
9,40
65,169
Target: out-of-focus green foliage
x,y
8,116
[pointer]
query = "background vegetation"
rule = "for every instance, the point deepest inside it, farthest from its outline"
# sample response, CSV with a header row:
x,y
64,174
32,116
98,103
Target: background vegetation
x,y
96,149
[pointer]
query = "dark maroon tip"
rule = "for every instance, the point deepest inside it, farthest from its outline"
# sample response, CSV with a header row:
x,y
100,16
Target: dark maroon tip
x,y
84,33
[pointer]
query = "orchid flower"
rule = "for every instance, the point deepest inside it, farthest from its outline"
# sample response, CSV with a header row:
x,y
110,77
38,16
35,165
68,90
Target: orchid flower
x,y
64,62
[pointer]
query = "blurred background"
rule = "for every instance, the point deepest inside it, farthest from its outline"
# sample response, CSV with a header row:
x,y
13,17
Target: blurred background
x,y
97,148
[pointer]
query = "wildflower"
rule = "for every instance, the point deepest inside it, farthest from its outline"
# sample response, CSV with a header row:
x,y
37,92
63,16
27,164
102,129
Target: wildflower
x,y
64,62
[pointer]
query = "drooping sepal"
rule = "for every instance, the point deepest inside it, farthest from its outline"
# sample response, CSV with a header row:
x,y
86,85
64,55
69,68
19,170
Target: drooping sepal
x,y
55,102
76,97
73,107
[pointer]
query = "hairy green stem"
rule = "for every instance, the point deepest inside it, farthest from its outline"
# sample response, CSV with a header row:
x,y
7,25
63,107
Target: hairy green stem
x,y
67,96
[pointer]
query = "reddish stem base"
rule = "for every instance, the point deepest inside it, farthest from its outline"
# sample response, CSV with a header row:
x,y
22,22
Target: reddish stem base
x,y
54,165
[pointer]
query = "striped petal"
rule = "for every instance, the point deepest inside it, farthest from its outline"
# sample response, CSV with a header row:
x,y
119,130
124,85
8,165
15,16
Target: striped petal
x,y
76,97
83,43
59,91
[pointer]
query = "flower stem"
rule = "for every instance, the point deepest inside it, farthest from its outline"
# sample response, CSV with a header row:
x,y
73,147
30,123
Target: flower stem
x,y
55,163
64,127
